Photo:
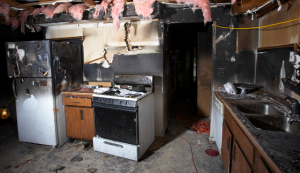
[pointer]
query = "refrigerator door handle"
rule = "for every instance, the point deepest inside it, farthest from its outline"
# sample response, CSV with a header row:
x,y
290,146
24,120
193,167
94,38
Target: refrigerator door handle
x,y
15,67
14,87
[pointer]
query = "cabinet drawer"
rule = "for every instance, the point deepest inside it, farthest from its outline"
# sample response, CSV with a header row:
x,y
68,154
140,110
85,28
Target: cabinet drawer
x,y
77,102
241,138
116,148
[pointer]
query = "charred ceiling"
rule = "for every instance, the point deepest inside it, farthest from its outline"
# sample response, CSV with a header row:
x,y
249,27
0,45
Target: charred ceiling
x,y
36,13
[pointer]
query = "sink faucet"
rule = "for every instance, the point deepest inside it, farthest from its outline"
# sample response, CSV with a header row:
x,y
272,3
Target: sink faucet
x,y
294,106
294,119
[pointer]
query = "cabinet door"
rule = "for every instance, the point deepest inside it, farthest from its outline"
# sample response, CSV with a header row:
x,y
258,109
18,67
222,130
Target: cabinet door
x,y
226,147
80,122
239,162
262,167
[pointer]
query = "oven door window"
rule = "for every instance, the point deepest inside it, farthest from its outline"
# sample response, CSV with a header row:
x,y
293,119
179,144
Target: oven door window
x,y
117,123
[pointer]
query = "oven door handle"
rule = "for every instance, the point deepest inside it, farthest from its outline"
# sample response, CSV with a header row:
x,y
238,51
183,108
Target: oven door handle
x,y
123,108
113,144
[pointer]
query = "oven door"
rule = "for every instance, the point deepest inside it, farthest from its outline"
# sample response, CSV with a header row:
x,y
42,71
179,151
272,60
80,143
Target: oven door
x,y
117,123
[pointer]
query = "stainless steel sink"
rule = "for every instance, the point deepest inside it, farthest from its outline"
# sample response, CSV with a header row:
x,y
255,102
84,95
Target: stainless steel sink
x,y
263,109
274,123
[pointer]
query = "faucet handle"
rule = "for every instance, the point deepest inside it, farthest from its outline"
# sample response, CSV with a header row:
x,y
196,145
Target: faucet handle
x,y
294,118
293,100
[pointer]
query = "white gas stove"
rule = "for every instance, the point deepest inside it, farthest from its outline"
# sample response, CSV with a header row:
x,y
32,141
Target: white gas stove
x,y
124,120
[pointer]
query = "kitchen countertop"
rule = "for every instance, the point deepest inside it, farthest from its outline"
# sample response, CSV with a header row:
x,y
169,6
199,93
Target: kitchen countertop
x,y
78,92
281,147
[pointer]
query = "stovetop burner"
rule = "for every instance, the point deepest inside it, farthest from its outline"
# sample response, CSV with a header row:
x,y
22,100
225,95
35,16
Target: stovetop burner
x,y
111,93
117,93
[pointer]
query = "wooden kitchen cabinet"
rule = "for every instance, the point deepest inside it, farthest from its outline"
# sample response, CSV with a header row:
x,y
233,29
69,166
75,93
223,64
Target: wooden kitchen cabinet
x,y
262,166
226,147
80,122
238,153
79,116
239,163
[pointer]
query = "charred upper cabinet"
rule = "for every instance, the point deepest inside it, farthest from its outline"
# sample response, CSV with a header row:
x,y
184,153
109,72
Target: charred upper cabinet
x,y
28,59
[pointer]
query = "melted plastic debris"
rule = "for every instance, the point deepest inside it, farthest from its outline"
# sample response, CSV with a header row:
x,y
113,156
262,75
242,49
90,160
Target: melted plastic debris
x,y
9,21
203,4
115,13
16,22
77,11
144,7
37,28
99,7
23,17
48,11
4,11
64,7
37,11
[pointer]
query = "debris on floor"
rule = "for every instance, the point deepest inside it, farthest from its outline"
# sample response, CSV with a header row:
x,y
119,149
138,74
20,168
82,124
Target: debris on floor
x,y
91,170
57,168
87,146
7,167
24,163
76,159
198,141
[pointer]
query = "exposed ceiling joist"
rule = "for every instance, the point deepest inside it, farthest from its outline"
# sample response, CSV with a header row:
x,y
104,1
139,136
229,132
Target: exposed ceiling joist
x,y
35,3
41,2
15,4
90,2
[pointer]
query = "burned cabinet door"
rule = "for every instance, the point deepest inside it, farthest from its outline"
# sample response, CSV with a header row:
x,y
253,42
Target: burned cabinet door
x,y
226,147
80,122
239,162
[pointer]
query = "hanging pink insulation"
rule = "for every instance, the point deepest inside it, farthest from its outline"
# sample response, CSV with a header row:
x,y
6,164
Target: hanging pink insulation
x,y
64,7
9,21
37,11
99,7
144,7
115,12
23,17
233,1
77,11
203,4
4,11
48,11
16,22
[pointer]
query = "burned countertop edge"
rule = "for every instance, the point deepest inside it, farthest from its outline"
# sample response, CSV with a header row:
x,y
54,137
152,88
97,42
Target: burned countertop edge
x,y
281,148
77,92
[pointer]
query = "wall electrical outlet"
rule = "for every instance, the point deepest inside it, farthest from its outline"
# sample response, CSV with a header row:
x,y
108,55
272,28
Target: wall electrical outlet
x,y
221,71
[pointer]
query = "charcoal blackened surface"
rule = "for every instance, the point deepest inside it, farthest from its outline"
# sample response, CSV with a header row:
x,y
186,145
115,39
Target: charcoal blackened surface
x,y
282,147
129,11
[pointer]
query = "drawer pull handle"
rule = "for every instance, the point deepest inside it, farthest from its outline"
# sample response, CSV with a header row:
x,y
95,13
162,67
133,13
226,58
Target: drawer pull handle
x,y
76,102
81,114
116,145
